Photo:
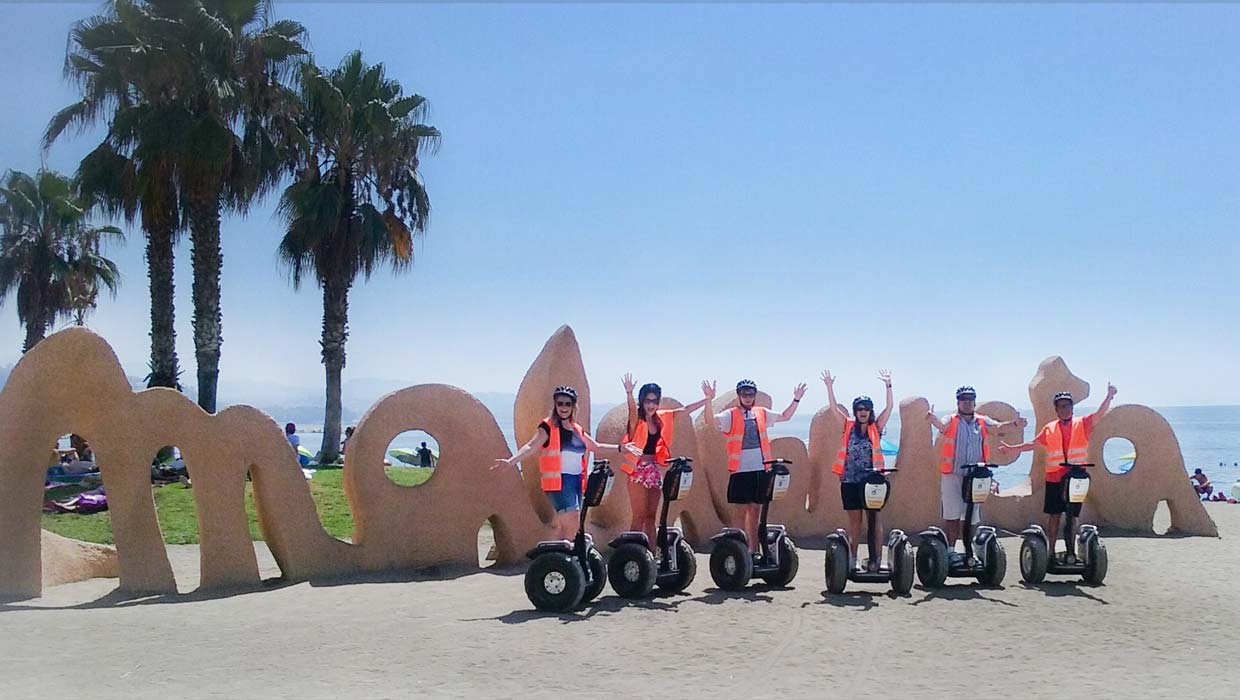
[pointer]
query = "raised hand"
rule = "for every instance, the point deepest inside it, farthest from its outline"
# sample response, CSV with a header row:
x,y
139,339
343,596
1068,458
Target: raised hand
x,y
827,378
799,391
885,376
708,389
628,383
1111,390
930,413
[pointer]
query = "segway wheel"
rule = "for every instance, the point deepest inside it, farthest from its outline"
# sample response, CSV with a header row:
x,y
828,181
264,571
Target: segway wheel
x,y
686,565
731,565
902,569
1097,569
996,564
932,562
789,563
837,566
555,582
1033,560
632,571
598,572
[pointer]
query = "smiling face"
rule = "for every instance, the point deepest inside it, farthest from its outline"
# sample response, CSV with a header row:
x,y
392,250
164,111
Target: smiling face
x,y
1063,409
564,407
650,402
863,413
966,405
747,398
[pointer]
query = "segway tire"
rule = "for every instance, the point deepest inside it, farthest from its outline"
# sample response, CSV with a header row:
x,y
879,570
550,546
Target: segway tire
x,y
555,582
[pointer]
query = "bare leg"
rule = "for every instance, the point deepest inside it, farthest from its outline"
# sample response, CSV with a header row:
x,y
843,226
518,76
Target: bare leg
x,y
752,515
952,528
566,523
1052,531
875,535
637,506
854,533
652,506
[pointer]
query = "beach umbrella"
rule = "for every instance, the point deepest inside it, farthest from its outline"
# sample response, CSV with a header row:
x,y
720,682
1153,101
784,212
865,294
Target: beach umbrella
x,y
1125,461
889,450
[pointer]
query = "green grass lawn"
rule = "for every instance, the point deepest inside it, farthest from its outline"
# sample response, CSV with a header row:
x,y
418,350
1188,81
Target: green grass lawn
x,y
174,505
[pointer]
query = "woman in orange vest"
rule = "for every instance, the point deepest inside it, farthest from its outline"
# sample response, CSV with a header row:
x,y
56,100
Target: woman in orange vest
x,y
650,429
748,446
1066,439
564,448
860,451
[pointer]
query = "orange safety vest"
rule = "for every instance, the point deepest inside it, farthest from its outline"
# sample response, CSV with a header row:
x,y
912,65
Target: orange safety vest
x,y
1078,448
662,449
736,434
549,458
947,454
875,445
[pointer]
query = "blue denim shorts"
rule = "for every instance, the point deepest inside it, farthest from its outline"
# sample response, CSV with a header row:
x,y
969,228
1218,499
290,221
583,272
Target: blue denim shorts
x,y
568,498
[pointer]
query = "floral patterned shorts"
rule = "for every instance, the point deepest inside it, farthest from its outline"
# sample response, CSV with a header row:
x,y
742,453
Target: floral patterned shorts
x,y
647,474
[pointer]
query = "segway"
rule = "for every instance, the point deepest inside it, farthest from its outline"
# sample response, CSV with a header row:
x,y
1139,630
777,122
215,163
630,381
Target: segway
x,y
564,574
840,567
633,570
777,561
1035,559
984,557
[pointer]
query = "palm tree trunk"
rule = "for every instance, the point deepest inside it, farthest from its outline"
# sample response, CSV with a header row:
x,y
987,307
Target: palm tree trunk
x,y
207,261
335,334
35,331
159,264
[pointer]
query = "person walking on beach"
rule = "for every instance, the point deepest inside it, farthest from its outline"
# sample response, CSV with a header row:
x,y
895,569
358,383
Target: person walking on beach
x,y
748,445
1066,439
651,429
860,453
964,442
564,449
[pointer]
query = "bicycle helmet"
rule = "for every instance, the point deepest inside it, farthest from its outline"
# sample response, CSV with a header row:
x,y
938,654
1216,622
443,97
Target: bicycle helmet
x,y
863,402
964,391
565,391
746,384
1063,396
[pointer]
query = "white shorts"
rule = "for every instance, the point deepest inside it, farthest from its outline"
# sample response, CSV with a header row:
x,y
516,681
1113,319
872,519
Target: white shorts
x,y
952,500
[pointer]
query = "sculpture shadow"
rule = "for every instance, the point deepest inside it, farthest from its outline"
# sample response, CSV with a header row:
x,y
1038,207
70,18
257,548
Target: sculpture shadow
x,y
1061,589
960,592
118,598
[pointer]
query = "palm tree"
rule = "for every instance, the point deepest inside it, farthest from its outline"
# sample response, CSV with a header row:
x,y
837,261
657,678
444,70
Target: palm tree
x,y
197,87
358,199
47,250
87,271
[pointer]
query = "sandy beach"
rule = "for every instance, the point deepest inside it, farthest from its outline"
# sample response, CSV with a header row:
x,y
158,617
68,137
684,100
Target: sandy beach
x,y
1166,624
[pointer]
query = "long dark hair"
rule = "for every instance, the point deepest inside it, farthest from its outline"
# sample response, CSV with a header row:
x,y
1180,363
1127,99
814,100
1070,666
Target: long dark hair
x,y
650,388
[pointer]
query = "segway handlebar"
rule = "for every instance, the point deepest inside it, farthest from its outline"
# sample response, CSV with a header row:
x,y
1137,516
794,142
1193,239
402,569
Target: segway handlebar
x,y
986,465
601,463
773,462
1076,464
680,461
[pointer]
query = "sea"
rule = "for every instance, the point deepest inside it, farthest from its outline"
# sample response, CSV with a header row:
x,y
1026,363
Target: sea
x,y
1209,438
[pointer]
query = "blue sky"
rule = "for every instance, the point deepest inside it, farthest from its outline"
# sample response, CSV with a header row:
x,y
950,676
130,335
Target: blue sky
x,y
952,192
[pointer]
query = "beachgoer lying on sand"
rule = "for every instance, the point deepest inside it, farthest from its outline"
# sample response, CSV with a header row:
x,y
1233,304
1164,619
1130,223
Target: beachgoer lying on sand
x,y
748,446
651,429
965,441
1202,485
562,458
860,452
1066,439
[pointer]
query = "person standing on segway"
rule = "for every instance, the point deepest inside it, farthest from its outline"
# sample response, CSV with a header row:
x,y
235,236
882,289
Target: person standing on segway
x,y
748,446
964,442
860,453
562,459
650,429
1066,439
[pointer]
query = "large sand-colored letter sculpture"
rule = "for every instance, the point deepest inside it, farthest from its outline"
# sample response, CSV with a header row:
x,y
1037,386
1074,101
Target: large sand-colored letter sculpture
x,y
72,382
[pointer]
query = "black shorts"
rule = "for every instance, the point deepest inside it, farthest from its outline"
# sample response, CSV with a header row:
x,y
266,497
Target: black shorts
x,y
744,487
1054,502
853,495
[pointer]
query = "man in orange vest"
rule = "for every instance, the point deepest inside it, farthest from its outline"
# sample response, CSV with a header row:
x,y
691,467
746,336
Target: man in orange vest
x,y
1066,439
965,441
748,445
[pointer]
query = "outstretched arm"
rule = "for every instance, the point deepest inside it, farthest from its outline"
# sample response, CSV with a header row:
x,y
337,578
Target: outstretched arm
x,y
885,376
834,405
934,420
601,447
704,401
1106,403
797,393
539,437
628,394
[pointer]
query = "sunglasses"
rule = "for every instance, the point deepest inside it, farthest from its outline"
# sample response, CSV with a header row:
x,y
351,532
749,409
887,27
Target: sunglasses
x,y
650,400
564,404
747,394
